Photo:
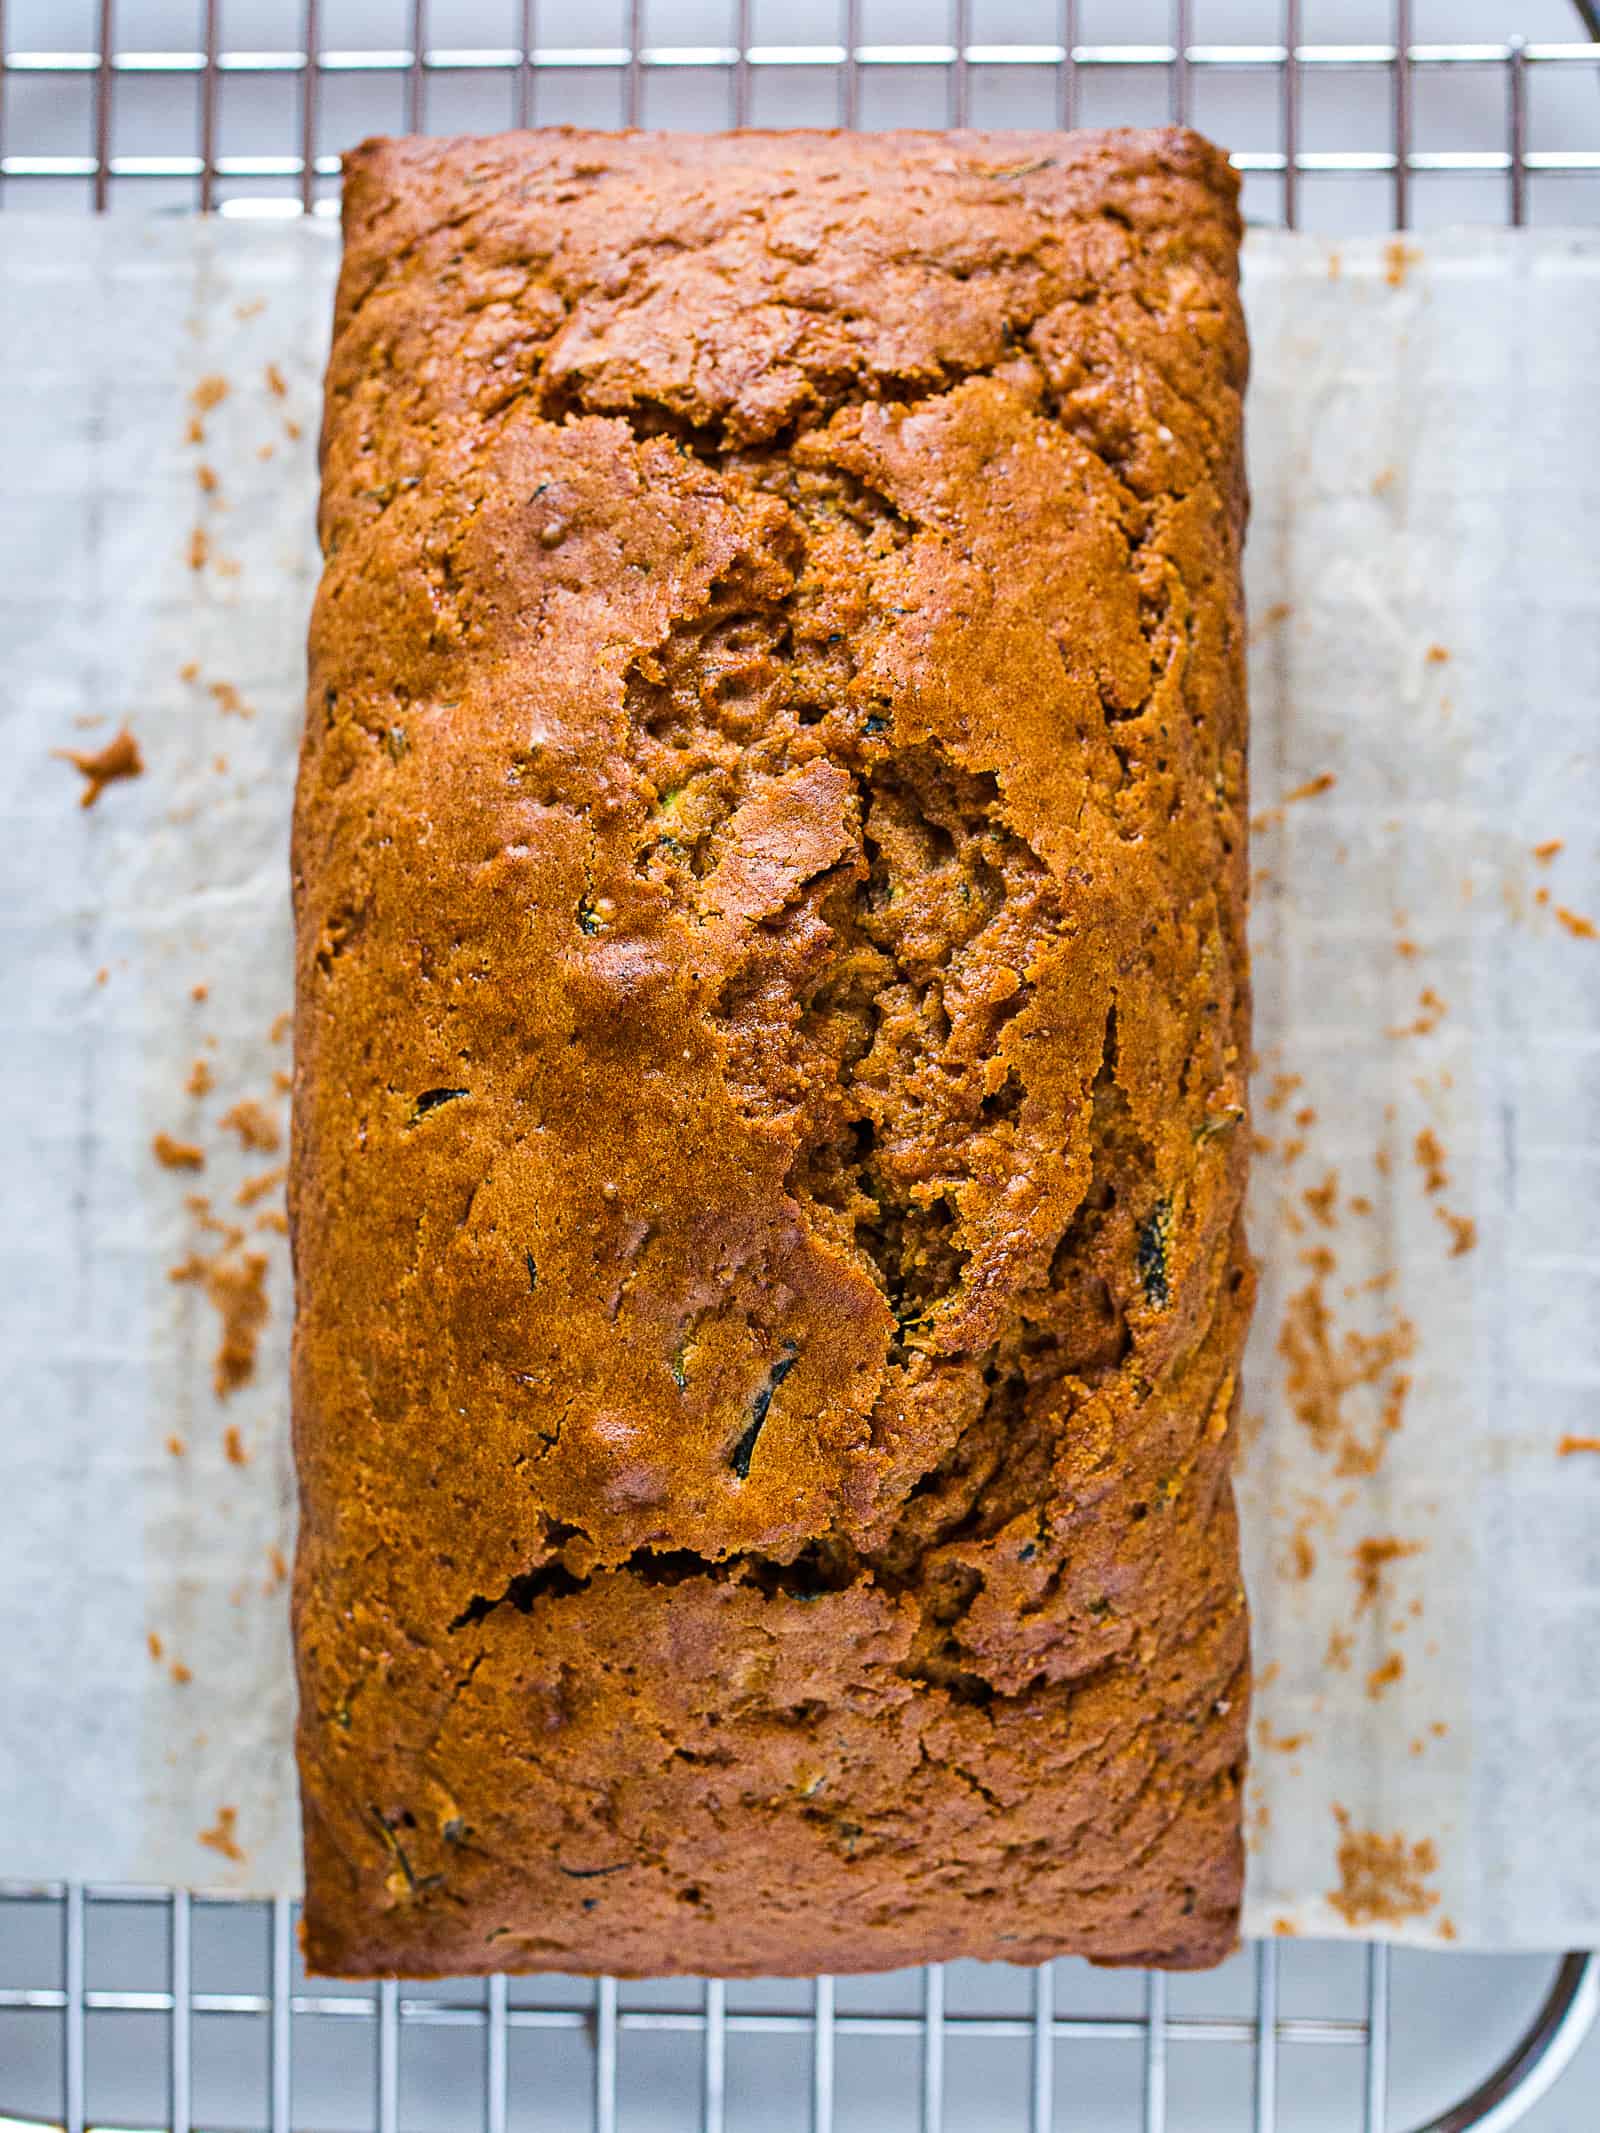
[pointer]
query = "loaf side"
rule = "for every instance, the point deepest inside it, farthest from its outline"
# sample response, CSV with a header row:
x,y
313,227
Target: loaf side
x,y
771,1040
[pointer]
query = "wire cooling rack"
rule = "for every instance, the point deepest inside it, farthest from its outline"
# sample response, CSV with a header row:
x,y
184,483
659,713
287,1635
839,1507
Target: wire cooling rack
x,y
1069,2047
132,115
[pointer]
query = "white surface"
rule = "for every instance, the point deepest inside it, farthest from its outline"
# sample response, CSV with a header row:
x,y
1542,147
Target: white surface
x,y
1466,382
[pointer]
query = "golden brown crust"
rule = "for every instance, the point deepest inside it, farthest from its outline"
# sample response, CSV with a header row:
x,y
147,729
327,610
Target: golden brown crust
x,y
771,1034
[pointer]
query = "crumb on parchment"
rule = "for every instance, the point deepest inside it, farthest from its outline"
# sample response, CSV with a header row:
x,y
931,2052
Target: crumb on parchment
x,y
258,1187
1430,1160
228,700
1326,1365
177,1155
254,1124
1431,1011
1372,1558
201,1080
235,1283
119,758
223,1835
1581,928
1382,1879
1384,1676
1398,260
1570,1444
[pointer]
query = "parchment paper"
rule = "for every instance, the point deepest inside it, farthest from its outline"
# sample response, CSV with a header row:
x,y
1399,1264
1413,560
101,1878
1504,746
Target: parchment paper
x,y
1426,675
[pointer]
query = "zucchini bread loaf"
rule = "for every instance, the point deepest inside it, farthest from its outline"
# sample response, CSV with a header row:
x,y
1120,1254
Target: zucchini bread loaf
x,y
771,1040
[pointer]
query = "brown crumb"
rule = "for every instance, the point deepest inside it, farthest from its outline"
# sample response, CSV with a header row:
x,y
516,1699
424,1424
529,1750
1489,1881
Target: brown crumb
x,y
1541,897
277,383
229,701
1547,851
227,567
1581,928
180,1673
1372,1558
223,1836
1278,612
1383,480
1398,259
1438,1729
1463,1232
199,992
1337,1655
253,309
208,479
236,1288
274,1219
1381,1879
1305,1118
1302,1556
265,451
211,391
1407,949
199,548
233,1446
278,1567
103,975
1570,1444
119,758
254,1124
1283,1087
281,1026
1447,1929
1438,655
195,430
1323,1200
282,1081
176,1446
1323,1371
1381,1162
1280,1743
219,764
291,430
156,1646
1432,1011
201,1079
1323,782
1285,1929
258,1187
1359,1204
177,1155
189,671
1430,1160
1385,1676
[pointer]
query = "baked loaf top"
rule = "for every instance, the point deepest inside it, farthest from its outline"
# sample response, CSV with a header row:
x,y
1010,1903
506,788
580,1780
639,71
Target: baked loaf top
x,y
771,1035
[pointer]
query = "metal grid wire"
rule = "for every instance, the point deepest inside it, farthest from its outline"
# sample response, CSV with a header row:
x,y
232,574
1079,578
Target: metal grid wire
x,y
1045,2040
956,78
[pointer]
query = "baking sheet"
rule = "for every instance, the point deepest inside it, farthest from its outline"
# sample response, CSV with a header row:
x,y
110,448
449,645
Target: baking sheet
x,y
1424,1559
